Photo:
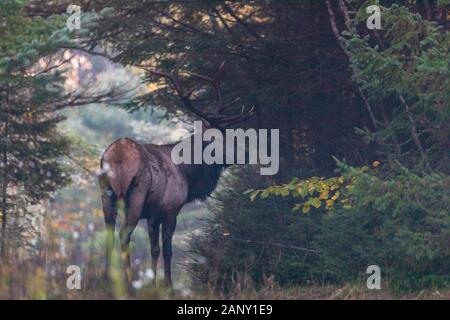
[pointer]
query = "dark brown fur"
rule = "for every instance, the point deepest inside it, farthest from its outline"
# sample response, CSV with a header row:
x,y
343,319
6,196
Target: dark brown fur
x,y
153,188
123,160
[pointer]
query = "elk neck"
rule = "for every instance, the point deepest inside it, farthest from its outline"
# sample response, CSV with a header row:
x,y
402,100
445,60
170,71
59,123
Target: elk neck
x,y
201,178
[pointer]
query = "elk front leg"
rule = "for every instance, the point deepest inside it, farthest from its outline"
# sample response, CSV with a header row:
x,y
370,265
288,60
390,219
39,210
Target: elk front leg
x,y
153,233
133,209
168,227
110,215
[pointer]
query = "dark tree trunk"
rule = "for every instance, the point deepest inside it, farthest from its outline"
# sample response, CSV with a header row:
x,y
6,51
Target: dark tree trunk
x,y
5,187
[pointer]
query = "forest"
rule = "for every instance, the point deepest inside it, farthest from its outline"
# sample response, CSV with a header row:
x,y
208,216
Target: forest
x,y
359,91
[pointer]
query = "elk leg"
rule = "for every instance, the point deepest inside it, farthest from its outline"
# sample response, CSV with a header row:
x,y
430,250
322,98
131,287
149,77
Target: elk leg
x,y
110,215
153,233
133,209
168,227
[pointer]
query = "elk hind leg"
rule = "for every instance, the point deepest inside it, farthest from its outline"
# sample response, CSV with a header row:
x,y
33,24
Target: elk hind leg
x,y
133,210
168,228
153,234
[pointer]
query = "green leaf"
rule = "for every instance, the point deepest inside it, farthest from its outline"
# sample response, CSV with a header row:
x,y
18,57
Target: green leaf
x,y
265,194
315,202
304,190
294,180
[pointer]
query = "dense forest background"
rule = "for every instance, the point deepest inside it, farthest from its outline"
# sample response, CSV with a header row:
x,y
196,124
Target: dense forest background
x,y
364,144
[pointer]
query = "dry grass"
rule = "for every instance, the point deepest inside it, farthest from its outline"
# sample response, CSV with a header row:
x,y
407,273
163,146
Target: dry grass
x,y
29,281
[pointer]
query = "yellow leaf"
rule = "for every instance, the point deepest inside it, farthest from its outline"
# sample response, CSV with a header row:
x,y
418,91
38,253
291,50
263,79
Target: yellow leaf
x,y
254,194
324,186
330,203
336,195
306,209
323,195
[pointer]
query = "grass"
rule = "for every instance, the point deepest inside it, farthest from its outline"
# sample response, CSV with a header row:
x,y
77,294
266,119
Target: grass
x,y
33,281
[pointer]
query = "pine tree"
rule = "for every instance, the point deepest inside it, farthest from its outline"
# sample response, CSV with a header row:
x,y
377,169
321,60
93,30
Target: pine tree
x,y
30,144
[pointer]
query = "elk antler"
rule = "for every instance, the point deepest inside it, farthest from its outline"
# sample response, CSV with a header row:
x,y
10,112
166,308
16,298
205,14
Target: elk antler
x,y
219,119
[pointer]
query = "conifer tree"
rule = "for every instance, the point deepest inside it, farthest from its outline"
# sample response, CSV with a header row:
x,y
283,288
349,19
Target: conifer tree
x,y
30,144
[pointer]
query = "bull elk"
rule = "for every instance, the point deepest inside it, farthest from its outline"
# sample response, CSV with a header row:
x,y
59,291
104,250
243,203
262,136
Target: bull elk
x,y
151,185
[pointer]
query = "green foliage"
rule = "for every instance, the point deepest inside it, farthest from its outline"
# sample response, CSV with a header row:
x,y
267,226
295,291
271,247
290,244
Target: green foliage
x,y
246,243
31,145
406,76
397,221
400,222
316,191
286,61
396,215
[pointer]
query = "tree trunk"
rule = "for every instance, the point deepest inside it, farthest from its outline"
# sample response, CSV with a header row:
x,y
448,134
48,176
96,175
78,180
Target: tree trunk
x,y
5,186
